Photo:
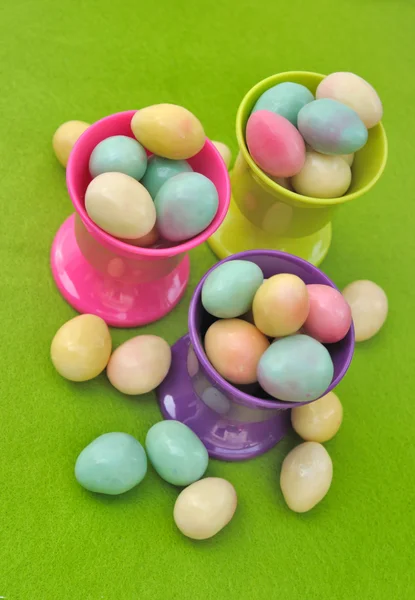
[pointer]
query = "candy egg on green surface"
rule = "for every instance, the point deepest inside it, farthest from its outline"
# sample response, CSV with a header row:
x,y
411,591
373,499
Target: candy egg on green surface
x,y
176,453
330,127
224,151
186,204
159,170
322,176
65,138
318,421
228,291
285,99
112,464
295,369
121,154
369,306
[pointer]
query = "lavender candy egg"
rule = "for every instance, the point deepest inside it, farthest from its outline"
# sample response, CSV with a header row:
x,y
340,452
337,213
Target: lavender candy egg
x,y
295,369
186,204
330,127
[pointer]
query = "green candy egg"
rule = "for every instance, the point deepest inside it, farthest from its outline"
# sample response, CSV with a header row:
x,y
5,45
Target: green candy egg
x,y
285,99
120,154
295,369
176,453
185,204
159,170
112,464
229,290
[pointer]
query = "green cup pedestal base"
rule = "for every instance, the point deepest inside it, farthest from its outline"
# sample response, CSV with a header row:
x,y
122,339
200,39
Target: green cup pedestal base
x,y
237,234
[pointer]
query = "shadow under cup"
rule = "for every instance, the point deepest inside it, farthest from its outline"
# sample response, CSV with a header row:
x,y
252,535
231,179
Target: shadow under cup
x,y
235,423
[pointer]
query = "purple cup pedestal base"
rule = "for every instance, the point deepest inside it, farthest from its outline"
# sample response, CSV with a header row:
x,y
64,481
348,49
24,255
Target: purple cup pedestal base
x,y
119,303
229,430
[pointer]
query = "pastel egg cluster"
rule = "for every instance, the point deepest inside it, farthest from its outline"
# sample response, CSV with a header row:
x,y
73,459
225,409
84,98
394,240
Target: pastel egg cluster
x,y
158,199
312,141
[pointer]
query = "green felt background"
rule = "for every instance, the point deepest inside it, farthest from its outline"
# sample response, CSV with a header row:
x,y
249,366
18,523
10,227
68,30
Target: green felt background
x,y
67,59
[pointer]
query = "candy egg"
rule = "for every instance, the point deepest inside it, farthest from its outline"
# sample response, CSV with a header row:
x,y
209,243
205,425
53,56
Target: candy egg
x,y
369,306
331,127
186,204
118,153
281,305
81,348
295,369
306,475
139,365
205,507
234,348
352,90
112,464
225,152
318,421
322,176
329,318
65,138
120,205
168,130
159,170
275,144
176,453
229,290
285,99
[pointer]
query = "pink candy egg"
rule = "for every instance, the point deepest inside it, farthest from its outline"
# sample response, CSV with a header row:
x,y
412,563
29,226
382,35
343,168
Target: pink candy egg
x,y
329,318
275,144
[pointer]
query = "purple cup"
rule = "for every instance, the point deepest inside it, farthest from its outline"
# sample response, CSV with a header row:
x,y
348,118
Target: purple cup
x,y
236,424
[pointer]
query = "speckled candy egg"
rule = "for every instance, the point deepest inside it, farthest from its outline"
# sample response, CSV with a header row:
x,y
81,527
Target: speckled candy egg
x,y
329,318
205,507
306,476
81,348
281,305
176,453
139,365
275,144
224,151
112,464
186,204
352,90
322,176
295,369
65,138
331,127
120,154
369,306
318,421
120,205
159,170
229,290
168,130
285,99
234,348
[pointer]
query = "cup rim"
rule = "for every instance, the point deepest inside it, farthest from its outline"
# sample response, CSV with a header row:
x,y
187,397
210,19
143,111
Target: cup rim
x,y
245,107
238,395
122,247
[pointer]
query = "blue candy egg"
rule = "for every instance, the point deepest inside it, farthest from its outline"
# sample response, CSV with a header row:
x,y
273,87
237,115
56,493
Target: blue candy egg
x,y
331,127
120,154
295,369
285,99
186,204
160,169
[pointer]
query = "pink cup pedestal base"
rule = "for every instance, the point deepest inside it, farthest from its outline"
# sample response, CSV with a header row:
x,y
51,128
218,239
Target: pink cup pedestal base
x,y
119,303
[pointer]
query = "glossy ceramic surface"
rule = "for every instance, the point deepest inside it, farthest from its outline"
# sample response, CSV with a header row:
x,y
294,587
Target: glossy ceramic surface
x,y
96,273
264,214
235,424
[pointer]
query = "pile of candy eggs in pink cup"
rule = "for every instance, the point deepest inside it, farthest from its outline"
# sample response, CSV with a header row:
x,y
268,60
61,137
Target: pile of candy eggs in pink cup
x,y
307,144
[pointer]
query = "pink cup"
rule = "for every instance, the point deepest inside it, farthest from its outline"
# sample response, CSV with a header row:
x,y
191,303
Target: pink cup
x,y
96,273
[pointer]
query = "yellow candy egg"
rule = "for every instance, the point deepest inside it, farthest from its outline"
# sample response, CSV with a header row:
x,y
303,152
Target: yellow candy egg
x,y
322,176
369,305
120,205
320,420
225,152
139,365
281,305
65,138
81,348
234,348
168,130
